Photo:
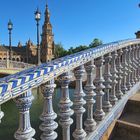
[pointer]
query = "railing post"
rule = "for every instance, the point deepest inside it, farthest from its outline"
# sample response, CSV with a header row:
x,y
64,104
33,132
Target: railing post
x,y
114,76
89,87
125,70
107,77
134,64
64,106
98,81
132,75
79,133
23,103
137,59
1,114
48,115
119,67
129,62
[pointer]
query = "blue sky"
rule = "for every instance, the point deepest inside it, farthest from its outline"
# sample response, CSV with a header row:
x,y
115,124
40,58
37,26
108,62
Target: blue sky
x,y
75,22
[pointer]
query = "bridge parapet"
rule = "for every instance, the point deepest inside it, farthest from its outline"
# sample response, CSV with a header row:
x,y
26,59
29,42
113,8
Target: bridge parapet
x,y
116,79
14,64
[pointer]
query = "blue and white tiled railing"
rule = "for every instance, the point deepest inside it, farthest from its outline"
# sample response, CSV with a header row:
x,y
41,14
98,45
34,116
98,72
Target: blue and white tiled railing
x,y
117,72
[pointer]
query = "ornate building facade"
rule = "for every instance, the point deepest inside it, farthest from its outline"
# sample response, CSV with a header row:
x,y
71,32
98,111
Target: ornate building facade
x,y
28,53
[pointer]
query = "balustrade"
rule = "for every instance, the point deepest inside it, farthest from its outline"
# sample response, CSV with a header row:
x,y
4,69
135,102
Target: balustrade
x,y
116,68
107,77
79,110
48,125
23,103
98,81
1,114
64,105
125,70
114,76
129,62
134,64
90,123
119,67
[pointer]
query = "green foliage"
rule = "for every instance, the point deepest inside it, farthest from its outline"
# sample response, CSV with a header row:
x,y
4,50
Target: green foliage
x,y
77,49
96,42
60,51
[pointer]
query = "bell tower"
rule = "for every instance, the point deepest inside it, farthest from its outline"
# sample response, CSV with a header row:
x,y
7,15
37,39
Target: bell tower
x,y
47,43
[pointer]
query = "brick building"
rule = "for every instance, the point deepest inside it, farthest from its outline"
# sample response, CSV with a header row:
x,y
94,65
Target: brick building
x,y
28,52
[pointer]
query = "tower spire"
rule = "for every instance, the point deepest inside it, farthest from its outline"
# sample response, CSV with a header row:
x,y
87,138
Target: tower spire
x,y
47,14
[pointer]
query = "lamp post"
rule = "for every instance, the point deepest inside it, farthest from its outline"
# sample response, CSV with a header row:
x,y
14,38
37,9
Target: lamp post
x,y
37,18
10,27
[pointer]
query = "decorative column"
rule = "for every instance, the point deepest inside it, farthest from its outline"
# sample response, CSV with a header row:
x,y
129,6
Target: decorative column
x,y
99,113
107,77
89,87
132,75
129,62
134,64
137,59
23,103
79,133
48,115
64,106
114,76
119,67
125,70
1,114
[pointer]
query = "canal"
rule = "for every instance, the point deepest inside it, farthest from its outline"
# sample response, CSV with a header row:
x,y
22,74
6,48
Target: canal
x,y
10,120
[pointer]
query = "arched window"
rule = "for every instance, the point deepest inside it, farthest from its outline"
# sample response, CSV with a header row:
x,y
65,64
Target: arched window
x,y
17,59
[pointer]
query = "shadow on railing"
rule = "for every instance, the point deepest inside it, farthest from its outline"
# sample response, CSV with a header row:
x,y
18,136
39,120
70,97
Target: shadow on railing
x,y
116,79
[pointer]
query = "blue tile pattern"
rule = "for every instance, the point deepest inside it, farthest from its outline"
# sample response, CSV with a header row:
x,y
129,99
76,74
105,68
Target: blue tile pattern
x,y
13,85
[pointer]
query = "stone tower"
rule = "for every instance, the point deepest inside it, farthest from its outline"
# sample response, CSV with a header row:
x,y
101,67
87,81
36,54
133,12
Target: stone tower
x,y
47,43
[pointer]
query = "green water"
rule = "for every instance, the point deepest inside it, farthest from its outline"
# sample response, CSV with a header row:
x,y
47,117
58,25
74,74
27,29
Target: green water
x,y
9,123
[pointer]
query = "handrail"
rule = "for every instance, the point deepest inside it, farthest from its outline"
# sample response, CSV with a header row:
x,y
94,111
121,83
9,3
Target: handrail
x,y
16,84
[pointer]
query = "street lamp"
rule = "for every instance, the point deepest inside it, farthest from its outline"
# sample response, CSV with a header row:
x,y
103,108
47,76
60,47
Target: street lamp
x,y
37,18
10,27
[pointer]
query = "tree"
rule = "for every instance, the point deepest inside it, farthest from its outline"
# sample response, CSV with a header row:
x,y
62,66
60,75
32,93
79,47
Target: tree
x,y
77,49
59,51
96,42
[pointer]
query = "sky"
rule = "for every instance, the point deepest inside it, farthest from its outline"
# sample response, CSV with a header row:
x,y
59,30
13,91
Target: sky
x,y
75,22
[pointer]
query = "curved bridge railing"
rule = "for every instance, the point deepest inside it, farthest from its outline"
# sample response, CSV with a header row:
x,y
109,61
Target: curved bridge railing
x,y
14,64
117,75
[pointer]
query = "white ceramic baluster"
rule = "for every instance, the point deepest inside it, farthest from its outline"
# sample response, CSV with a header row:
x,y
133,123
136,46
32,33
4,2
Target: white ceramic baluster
x,y
1,114
98,81
125,70
107,77
79,133
128,78
89,87
114,76
119,67
48,116
64,106
23,103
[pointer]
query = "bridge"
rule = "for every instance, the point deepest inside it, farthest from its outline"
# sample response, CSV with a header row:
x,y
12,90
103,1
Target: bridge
x,y
101,99
11,67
